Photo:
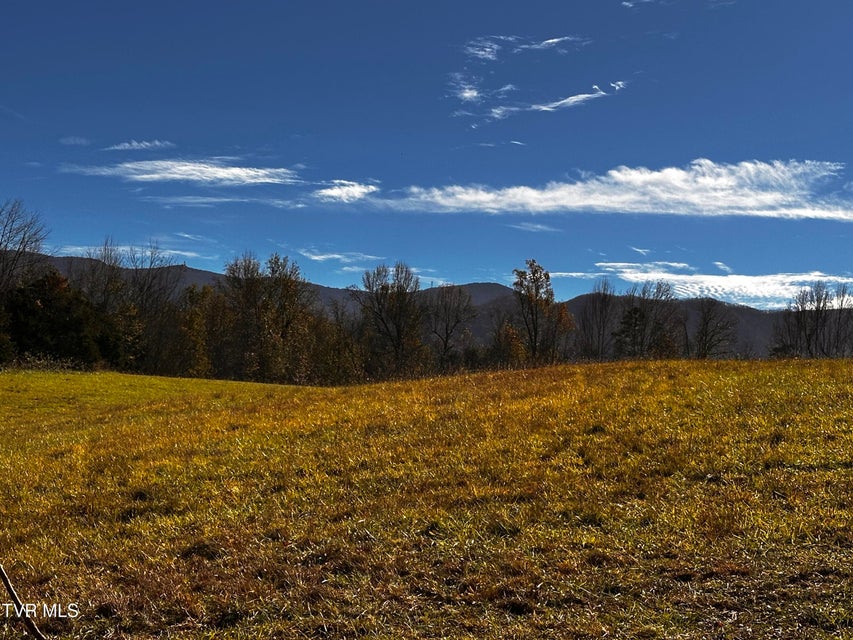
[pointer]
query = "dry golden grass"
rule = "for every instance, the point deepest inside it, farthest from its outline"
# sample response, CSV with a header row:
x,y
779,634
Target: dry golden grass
x,y
639,500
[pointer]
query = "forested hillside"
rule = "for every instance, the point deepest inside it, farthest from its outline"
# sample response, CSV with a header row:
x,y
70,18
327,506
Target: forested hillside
x,y
136,310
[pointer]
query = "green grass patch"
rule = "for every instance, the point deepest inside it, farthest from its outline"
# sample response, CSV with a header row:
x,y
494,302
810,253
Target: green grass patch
x,y
636,500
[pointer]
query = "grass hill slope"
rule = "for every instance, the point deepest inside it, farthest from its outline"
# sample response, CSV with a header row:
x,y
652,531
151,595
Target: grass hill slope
x,y
642,500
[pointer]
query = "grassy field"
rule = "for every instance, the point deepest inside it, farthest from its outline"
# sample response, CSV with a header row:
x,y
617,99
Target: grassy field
x,y
640,500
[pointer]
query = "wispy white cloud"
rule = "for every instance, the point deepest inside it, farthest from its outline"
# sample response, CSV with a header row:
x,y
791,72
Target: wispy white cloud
x,y
642,252
468,88
345,191
75,141
345,257
722,266
493,145
84,250
471,89
787,190
192,237
465,87
633,3
281,203
642,271
503,111
207,202
487,48
143,145
177,253
571,101
762,291
534,228
576,275
193,201
490,48
556,44
468,94
210,172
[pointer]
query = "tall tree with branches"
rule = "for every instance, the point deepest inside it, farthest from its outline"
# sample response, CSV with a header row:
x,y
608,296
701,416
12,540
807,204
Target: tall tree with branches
x,y
597,322
22,236
651,326
547,324
448,308
715,331
392,315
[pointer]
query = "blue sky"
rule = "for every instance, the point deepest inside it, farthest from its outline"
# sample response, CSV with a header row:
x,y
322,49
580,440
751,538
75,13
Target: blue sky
x,y
707,142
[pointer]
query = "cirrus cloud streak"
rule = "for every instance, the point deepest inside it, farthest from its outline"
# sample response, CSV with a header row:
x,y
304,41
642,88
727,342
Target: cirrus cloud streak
x,y
210,172
345,191
761,291
781,189
501,112
141,145
346,257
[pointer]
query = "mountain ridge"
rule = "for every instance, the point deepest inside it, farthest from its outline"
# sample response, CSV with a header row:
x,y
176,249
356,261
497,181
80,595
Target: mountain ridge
x,y
492,301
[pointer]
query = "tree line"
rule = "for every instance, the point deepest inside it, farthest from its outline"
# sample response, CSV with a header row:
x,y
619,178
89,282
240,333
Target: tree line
x,y
124,308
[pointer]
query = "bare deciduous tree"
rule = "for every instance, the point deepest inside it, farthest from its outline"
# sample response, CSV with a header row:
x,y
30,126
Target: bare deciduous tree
x,y
100,277
152,292
597,322
392,313
153,277
135,292
650,326
816,324
842,326
22,236
716,330
448,308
